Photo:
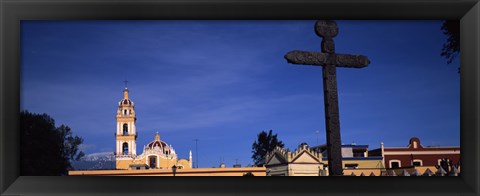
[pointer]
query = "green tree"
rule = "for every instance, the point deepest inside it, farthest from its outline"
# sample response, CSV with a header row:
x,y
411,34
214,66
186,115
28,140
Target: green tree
x,y
451,48
46,150
264,144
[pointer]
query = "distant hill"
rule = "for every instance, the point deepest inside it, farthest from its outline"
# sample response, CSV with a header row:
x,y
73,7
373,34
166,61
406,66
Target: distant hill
x,y
95,161
106,156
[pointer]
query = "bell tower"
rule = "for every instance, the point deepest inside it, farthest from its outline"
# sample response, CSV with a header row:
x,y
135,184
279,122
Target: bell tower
x,y
126,134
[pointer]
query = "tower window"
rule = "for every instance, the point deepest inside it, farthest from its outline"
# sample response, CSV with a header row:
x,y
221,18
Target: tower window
x,y
125,148
125,112
125,129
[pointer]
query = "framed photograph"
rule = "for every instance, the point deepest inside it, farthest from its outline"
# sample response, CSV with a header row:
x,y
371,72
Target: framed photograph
x,y
221,31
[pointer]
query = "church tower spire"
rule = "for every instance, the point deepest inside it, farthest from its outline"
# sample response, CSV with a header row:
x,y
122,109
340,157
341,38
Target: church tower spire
x,y
190,160
126,135
125,91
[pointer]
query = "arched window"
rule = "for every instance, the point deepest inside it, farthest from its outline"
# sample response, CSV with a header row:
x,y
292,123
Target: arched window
x,y
125,112
417,162
395,164
125,148
125,129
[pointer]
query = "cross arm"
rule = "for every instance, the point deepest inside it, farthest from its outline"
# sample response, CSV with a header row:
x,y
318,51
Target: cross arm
x,y
318,59
306,58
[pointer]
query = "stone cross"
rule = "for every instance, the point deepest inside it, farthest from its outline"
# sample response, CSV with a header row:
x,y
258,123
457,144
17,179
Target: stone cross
x,y
329,60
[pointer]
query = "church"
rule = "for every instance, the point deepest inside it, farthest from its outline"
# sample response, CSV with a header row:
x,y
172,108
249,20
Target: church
x,y
156,155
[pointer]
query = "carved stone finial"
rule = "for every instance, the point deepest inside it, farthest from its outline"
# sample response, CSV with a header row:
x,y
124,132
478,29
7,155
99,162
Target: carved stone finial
x,y
326,28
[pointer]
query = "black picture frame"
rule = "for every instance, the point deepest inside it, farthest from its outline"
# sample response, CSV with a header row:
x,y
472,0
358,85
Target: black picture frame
x,y
13,11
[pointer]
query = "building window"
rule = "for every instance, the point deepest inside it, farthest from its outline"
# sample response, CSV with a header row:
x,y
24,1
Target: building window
x,y
125,148
358,154
351,166
125,129
417,162
395,164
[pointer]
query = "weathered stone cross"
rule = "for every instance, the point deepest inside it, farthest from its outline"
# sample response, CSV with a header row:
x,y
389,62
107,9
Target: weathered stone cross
x,y
327,29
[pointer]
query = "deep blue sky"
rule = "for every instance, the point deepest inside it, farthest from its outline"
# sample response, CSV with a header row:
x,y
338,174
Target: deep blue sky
x,y
223,82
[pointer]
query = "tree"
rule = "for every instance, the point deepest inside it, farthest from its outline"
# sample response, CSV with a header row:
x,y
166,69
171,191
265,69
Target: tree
x,y
264,144
46,150
70,144
451,49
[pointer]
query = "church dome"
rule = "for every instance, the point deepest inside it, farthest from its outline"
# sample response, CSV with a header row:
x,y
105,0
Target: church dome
x,y
160,145
125,101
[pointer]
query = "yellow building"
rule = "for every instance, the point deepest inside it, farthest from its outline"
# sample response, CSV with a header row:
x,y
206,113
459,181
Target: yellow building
x,y
156,154
302,162
312,161
355,160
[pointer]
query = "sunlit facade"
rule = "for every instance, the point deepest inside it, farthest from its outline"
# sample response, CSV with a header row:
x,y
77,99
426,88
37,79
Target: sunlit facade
x,y
156,155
